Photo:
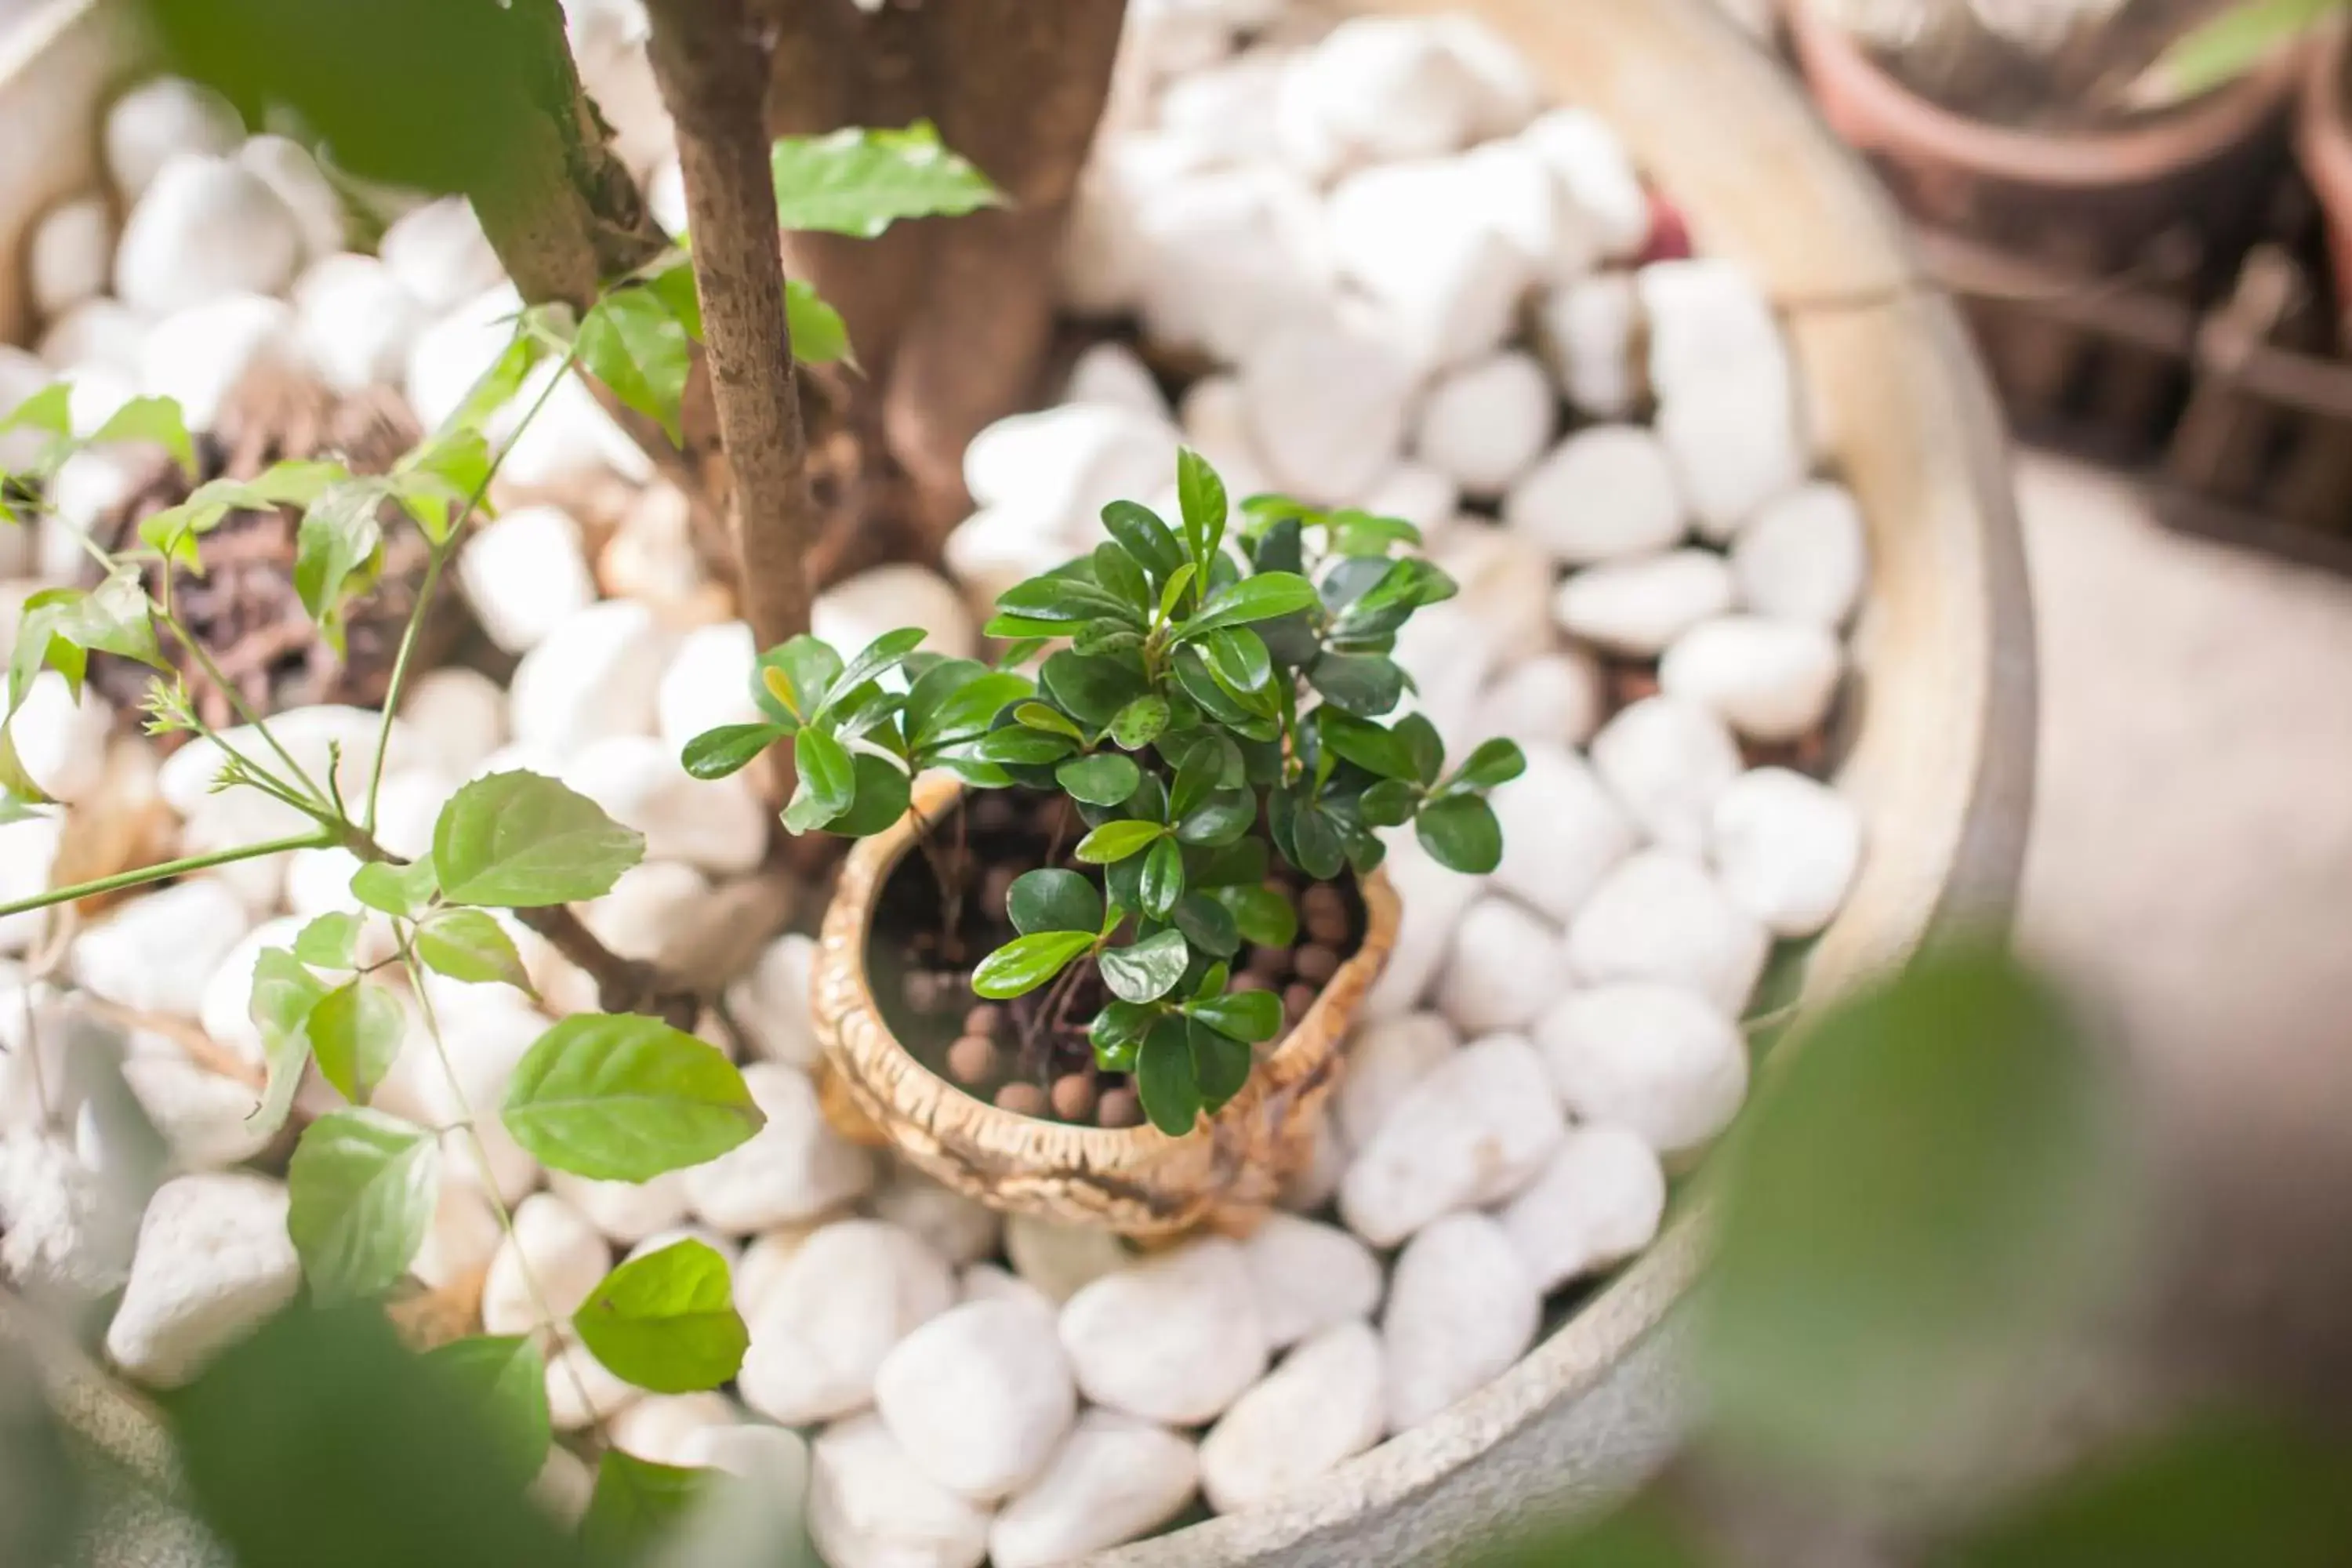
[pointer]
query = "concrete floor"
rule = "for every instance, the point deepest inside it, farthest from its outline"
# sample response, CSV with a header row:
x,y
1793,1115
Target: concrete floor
x,y
2191,868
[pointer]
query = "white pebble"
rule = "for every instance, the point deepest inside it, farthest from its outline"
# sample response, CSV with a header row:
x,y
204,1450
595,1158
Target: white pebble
x,y
708,684
625,1213
1805,557
1325,1404
1377,89
545,1270
60,742
356,325
212,1261
1561,831
1637,608
1660,917
771,1003
563,1488
795,1167
1706,315
1446,269
1309,1276
1062,1260
719,825
67,259
660,1428
1588,330
850,615
869,1507
1308,1187
525,573
1110,372
1668,761
1227,256
460,713
1735,446
1433,898
763,1261
1507,966
1462,1310
580,1391
1417,493
156,952
774,1458
1116,1478
1605,493
1476,1129
593,675
483,1043
1597,1203
28,848
1327,407
286,167
1172,1338
1769,679
1655,1060
195,355
1484,424
1387,1057
104,331
205,1117
851,1292
980,1397
440,253
463,1238
961,1229
1552,699
204,228
146,126
1600,178
1786,849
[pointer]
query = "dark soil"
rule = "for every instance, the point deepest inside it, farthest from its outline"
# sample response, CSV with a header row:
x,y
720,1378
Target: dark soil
x,y
1031,1056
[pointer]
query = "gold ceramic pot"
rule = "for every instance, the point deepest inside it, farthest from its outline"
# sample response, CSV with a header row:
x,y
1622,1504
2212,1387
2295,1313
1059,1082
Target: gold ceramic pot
x,y
1136,1181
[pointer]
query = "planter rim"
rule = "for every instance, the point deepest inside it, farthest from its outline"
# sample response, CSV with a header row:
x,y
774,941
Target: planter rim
x,y
1898,121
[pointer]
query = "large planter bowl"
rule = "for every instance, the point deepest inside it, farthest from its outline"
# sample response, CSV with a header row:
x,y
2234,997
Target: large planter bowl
x,y
1938,755
1136,1181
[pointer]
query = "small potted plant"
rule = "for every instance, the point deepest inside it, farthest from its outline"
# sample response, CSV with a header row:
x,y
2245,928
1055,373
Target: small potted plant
x,y
1113,987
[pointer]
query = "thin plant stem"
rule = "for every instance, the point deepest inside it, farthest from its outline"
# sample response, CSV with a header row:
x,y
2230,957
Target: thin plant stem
x,y
316,839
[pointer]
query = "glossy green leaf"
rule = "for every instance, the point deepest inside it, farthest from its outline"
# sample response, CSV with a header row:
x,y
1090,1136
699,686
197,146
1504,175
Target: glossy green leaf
x,y
1116,1034
667,1322
1421,740
152,419
1207,924
439,480
1172,592
1252,1015
860,182
1221,1064
328,942
1368,745
1147,971
820,335
1019,747
360,1190
1104,779
1038,716
1237,657
280,1004
885,653
1260,598
521,840
395,889
1163,878
793,677
1140,723
1494,763
355,1032
502,1382
828,780
1144,536
1203,768
1053,899
1391,802
1115,841
1092,690
1219,820
621,1097
1056,602
884,793
1120,574
637,1503
469,945
1461,835
634,343
957,700
1166,1080
724,752
1367,685
1025,963
1201,496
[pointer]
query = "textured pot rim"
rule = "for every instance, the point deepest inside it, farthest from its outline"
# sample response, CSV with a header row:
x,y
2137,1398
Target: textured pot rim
x,y
858,1036
1881,112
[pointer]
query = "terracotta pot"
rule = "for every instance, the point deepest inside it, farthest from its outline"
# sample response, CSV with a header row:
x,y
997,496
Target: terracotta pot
x,y
2119,186
2323,143
1136,1181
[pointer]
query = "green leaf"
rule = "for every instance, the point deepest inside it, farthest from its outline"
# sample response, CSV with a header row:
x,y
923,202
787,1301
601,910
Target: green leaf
x,y
1053,900
729,749
634,343
329,941
283,992
1118,571
860,182
155,419
1207,924
1143,535
1115,841
1037,715
1147,971
49,410
1103,780
1366,685
1163,878
957,700
1237,657
360,1190
1919,1203
1219,820
469,945
436,482
1252,1015
395,889
1019,747
1264,597
828,780
1025,963
625,1099
1264,916
1171,593
502,1379
1166,1080
1421,738
1201,496
2224,49
1199,774
636,1503
1369,746
793,677
883,796
667,1322
355,1032
819,334
1221,1064
1461,833
524,841
1391,802
338,550
1139,723
1092,690
1117,1033
885,653
1493,763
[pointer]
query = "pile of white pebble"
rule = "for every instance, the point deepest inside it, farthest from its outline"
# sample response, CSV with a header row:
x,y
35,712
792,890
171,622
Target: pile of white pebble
x,y
1425,294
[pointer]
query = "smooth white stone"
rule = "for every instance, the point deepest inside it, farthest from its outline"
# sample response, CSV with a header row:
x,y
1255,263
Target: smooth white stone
x,y
1309,1276
27,849
224,1009
1324,1405
1638,608
763,1259
155,953
1510,93
195,355
1385,1060
1589,330
1786,849
455,352
771,1003
593,676
1419,494
1062,1260
1229,255
440,253
1507,966
869,1507
62,743
959,1229
1705,314
463,1238
86,487
1116,1478
1502,613
68,258
1805,557
980,1397
212,1261
1735,446
1483,425
1110,372
624,1213
992,1282
1599,177
570,440
554,1247
356,324
851,614
1561,831
1429,244
1063,464
1768,680
580,1391
563,1488
102,330
483,1043
1668,761
718,824
1168,39
1106,256
459,715
1606,493
772,1458
1310,1187
1553,699
794,1168
156,120
410,803
1657,1059
1659,916
1597,1203
286,167
96,394
1214,413
1476,1129
708,684
203,229
1377,89
67,1229
1327,407
1172,1338
999,546
1462,1310
205,1117
658,1429
851,1293
1433,898
1515,192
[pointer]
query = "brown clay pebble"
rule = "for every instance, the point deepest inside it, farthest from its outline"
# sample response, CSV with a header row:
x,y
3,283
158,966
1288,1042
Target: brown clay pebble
x,y
996,887
1246,981
1021,1100
1271,963
1322,899
983,1020
972,1059
1328,926
993,814
1120,1107
1315,963
1295,1000
1073,1096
